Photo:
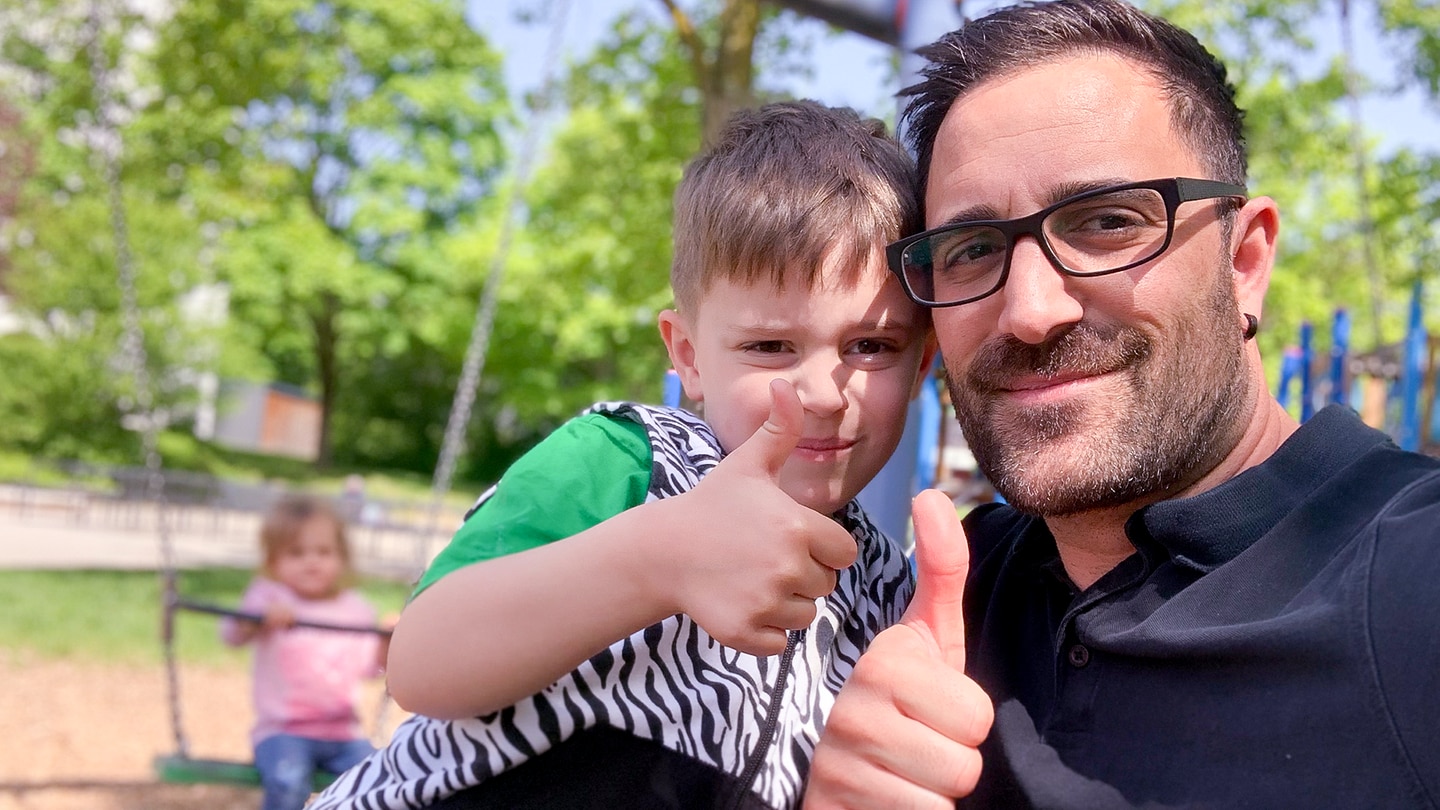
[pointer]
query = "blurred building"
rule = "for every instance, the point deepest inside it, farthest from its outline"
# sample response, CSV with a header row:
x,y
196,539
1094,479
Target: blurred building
x,y
9,321
275,419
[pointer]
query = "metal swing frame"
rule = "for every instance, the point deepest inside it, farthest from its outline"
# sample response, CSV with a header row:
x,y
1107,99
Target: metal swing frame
x,y
180,767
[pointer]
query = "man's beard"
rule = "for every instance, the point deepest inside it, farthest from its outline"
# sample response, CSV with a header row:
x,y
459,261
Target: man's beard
x,y
1176,417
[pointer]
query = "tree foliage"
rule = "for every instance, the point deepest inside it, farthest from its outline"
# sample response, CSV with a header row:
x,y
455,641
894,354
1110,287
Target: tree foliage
x,y
1292,82
61,244
591,267
341,171
311,156
351,138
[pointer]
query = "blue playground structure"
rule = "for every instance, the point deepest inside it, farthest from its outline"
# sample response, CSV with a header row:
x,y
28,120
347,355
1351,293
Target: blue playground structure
x,y
1392,387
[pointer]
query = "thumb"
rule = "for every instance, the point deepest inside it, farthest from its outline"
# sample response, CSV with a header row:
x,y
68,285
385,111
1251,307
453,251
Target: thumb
x,y
942,557
767,450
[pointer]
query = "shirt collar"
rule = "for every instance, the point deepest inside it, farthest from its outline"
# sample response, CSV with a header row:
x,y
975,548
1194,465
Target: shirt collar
x,y
1211,528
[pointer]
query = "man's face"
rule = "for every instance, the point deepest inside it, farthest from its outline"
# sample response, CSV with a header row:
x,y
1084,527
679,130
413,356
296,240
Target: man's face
x,y
1085,393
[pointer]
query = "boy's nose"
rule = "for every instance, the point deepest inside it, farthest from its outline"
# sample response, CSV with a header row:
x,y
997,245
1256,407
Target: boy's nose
x,y
1037,296
821,386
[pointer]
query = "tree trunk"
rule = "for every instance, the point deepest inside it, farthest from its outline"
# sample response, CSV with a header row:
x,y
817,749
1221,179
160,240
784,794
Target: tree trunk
x,y
327,339
725,78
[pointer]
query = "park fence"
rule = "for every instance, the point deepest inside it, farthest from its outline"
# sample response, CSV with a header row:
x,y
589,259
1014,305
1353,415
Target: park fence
x,y
207,520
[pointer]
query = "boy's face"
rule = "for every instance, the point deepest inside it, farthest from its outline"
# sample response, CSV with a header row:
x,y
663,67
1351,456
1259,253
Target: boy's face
x,y
854,353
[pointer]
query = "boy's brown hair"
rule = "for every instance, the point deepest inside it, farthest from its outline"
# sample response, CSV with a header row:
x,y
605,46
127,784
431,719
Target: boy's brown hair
x,y
783,187
281,529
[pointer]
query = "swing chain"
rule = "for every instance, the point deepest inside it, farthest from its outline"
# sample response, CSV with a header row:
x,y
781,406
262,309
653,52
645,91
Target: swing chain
x,y
453,443
107,146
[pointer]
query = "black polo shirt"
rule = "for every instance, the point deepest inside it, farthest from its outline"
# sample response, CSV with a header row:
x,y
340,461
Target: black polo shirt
x,y
1274,642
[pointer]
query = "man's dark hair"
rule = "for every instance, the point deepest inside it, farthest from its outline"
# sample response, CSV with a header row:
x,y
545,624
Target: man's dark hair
x,y
1030,35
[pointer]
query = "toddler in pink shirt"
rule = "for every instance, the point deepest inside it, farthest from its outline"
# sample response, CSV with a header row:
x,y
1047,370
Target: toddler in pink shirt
x,y
305,678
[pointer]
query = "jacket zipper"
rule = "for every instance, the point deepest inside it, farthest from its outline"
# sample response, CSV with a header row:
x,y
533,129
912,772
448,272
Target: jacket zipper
x,y
772,717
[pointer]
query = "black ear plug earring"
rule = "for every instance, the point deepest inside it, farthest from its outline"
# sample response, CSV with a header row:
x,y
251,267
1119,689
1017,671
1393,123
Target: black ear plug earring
x,y
1252,325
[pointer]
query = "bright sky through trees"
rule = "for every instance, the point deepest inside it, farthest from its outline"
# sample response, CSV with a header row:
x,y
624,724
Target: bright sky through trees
x,y
852,70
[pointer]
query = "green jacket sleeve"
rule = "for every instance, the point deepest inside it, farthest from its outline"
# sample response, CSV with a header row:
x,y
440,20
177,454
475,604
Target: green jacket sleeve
x,y
589,470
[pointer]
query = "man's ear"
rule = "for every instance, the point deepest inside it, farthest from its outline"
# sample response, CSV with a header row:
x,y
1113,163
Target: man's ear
x,y
681,347
927,361
1253,248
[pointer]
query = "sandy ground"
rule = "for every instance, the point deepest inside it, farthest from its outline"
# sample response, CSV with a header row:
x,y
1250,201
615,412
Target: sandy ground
x,y
83,736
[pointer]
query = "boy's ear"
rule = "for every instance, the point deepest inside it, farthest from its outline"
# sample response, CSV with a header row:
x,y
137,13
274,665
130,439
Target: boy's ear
x,y
927,361
681,348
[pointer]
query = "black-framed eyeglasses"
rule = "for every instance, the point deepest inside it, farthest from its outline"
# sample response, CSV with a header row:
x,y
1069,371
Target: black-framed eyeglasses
x,y
1090,234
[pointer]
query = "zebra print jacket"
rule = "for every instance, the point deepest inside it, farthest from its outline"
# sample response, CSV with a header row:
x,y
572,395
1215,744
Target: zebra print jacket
x,y
665,718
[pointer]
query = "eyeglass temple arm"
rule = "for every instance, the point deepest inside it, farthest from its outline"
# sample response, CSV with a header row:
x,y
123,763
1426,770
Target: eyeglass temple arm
x,y
1191,188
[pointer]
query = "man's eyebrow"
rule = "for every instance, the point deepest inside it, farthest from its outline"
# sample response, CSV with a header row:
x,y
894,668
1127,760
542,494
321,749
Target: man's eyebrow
x,y
974,213
1070,189
977,213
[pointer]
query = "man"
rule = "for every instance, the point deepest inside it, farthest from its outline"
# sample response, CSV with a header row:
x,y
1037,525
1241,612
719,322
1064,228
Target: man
x,y
1190,600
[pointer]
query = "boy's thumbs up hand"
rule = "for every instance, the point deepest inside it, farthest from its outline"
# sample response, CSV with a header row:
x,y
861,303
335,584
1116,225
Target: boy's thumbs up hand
x,y
906,728
765,452
748,562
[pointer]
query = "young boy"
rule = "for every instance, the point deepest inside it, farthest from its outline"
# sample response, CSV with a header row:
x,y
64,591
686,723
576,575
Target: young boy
x,y
576,645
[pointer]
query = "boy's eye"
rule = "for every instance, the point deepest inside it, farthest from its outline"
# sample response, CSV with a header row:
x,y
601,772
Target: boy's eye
x,y
873,346
766,346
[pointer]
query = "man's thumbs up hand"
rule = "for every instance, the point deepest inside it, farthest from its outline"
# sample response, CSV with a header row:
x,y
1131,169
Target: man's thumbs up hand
x,y
906,728
745,561
942,560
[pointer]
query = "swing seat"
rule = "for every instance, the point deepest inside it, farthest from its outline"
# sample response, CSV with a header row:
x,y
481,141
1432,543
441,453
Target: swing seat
x,y
181,770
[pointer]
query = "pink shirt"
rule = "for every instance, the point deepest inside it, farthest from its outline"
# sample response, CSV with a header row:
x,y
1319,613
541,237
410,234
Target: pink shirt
x,y
306,680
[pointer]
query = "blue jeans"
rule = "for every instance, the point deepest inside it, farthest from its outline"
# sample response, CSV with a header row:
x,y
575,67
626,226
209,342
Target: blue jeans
x,y
287,764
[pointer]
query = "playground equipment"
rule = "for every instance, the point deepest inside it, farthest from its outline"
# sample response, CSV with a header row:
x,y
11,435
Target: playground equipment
x,y
1393,387
181,766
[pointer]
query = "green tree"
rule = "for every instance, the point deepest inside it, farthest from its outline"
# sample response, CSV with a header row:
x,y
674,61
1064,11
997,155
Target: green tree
x,y
590,270
348,139
590,266
1303,144
61,245
1415,25
722,64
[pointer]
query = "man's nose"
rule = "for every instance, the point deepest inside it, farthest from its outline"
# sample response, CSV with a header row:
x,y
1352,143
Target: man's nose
x,y
1037,300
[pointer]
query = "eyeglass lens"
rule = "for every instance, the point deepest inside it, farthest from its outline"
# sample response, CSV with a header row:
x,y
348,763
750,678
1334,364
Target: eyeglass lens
x,y
1091,235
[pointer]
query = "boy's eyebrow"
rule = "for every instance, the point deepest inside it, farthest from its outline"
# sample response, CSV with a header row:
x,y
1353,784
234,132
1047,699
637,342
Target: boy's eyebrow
x,y
885,323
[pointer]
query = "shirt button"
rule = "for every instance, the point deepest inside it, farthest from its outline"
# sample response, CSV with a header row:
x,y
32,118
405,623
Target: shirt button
x,y
1079,655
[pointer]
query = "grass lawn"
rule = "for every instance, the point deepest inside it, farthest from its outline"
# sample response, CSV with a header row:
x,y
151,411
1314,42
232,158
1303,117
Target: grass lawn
x,y
115,616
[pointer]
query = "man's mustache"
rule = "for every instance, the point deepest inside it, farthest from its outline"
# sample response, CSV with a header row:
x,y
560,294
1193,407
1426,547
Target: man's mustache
x,y
1082,349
